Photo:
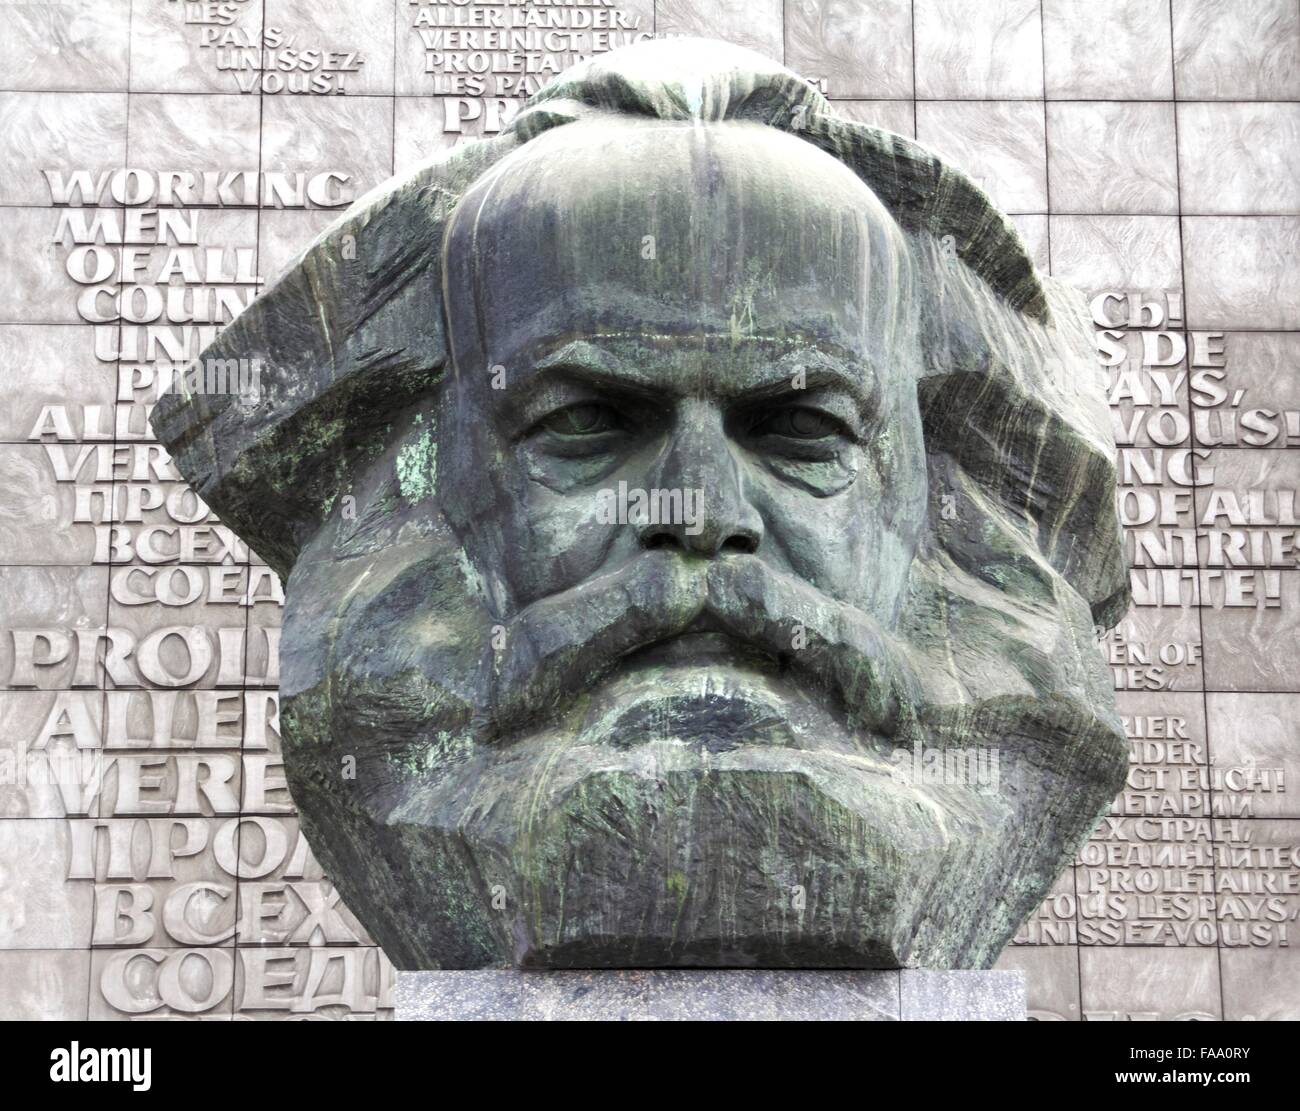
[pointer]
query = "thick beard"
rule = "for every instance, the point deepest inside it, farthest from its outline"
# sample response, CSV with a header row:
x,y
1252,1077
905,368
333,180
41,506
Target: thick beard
x,y
621,829
563,646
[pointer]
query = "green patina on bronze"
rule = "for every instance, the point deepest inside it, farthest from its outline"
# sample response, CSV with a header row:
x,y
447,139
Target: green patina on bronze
x,y
417,465
634,743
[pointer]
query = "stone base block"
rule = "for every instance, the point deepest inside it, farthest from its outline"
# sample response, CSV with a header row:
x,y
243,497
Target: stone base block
x,y
723,995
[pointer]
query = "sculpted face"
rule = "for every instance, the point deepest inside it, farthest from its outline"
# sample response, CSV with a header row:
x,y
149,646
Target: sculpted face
x,y
652,623
759,386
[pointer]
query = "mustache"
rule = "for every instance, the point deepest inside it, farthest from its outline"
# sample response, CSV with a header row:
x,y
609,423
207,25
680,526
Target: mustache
x,y
559,646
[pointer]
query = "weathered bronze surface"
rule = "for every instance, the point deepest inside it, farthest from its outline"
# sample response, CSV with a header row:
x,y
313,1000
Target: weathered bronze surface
x,y
696,516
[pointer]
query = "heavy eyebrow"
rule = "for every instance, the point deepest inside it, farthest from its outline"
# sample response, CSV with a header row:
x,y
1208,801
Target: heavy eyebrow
x,y
580,362
587,361
821,370
593,363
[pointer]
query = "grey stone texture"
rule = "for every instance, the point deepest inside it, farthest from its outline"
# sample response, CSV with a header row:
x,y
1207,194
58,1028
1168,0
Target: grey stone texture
x,y
734,995
76,72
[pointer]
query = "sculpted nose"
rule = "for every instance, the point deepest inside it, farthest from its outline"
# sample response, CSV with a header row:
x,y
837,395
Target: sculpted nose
x,y
701,481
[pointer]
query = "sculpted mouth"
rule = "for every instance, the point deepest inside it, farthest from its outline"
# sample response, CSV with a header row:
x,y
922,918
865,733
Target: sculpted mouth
x,y
702,644
736,616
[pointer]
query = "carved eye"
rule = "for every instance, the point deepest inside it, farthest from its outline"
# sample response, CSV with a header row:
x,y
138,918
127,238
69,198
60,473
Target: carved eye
x,y
796,423
587,418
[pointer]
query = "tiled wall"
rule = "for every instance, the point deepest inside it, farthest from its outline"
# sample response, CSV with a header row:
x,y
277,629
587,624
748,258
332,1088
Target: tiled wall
x,y
1142,146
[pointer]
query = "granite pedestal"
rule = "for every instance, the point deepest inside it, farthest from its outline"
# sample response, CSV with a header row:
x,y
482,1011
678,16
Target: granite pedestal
x,y
690,995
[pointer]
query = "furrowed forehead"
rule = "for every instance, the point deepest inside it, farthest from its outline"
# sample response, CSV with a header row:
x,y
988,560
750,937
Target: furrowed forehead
x,y
627,225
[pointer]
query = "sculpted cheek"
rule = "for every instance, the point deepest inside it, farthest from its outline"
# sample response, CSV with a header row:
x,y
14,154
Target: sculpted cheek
x,y
564,475
821,478
560,540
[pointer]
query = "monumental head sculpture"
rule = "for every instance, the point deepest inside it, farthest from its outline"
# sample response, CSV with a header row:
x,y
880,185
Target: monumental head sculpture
x,y
696,517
